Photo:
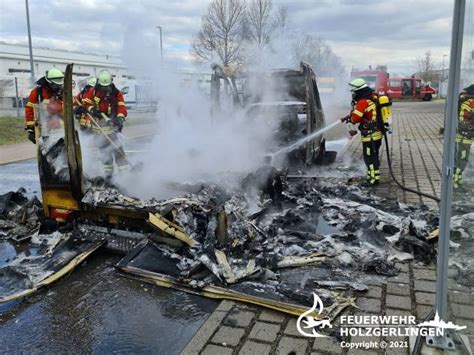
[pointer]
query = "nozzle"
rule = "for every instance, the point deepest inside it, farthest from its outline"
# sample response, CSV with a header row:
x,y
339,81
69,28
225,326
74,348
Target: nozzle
x,y
268,159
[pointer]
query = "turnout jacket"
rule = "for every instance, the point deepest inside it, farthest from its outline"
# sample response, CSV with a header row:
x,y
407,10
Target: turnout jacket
x,y
364,113
52,105
466,116
113,106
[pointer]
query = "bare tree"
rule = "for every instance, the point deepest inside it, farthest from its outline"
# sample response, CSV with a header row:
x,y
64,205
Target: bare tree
x,y
319,54
262,21
427,67
221,33
281,17
260,24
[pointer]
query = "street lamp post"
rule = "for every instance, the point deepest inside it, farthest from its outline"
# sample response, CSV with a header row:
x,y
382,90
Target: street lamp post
x,y
29,41
161,41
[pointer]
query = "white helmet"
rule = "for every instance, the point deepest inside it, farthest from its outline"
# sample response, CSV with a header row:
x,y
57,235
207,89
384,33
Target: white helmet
x,y
55,76
92,81
104,78
357,84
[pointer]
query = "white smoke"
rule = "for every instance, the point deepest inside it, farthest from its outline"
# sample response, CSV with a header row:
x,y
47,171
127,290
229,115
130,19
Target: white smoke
x,y
190,145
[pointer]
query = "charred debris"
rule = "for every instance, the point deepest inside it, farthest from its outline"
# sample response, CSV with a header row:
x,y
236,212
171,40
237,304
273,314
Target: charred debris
x,y
273,239
276,236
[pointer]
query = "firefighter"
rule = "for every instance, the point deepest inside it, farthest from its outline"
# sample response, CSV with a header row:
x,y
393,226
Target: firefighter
x,y
364,113
90,83
45,104
465,133
79,110
105,104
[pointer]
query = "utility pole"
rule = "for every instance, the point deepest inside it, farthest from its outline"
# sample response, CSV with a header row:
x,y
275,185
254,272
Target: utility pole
x,y
161,41
29,41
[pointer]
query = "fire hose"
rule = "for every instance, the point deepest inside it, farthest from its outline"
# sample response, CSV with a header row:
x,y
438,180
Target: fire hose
x,y
403,187
383,128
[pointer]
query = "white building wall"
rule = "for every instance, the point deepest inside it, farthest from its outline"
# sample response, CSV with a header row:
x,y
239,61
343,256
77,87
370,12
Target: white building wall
x,y
15,62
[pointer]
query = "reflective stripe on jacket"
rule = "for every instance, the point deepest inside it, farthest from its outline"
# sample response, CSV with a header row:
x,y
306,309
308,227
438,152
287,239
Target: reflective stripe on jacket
x,y
53,104
365,114
95,98
465,134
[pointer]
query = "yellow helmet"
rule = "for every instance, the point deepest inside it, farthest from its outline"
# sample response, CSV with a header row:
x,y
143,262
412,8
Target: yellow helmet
x,y
55,76
104,78
357,84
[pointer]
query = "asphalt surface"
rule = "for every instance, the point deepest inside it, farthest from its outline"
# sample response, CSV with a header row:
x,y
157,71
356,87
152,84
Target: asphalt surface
x,y
95,309
23,151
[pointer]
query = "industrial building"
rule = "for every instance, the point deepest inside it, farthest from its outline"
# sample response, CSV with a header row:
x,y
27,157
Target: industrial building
x,y
15,66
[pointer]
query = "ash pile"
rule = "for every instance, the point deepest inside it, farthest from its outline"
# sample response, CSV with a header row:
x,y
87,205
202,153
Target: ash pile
x,y
461,263
33,250
20,217
279,236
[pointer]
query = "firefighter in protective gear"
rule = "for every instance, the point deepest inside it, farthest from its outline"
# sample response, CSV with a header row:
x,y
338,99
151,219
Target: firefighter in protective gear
x,y
364,113
45,104
79,110
105,103
465,133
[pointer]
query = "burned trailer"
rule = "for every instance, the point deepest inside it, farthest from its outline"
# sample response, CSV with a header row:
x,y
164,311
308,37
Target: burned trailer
x,y
66,192
59,158
287,100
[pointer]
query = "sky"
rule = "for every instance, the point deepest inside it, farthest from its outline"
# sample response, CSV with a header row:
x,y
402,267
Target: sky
x,y
362,33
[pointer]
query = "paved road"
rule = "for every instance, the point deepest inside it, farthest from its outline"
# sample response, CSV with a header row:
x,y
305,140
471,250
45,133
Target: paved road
x,y
23,151
95,309
415,149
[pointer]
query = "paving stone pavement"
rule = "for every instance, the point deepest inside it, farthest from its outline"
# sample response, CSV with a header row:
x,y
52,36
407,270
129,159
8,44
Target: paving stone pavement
x,y
416,150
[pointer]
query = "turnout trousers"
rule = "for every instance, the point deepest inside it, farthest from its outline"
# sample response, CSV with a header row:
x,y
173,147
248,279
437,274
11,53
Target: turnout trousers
x,y
108,153
463,150
370,152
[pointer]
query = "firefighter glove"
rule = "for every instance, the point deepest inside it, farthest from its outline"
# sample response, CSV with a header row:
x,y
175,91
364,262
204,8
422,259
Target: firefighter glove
x,y
346,119
31,135
118,122
96,113
79,110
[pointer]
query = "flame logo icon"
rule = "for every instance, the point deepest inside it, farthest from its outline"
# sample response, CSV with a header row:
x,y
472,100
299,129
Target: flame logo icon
x,y
310,323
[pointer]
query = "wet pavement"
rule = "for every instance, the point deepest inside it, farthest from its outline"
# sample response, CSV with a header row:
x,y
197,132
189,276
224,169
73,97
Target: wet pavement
x,y
239,328
95,309
22,174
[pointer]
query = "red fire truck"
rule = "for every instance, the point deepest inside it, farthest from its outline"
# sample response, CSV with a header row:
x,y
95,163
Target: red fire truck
x,y
409,88
376,78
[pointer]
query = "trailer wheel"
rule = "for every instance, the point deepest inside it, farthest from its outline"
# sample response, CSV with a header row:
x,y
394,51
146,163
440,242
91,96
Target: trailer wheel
x,y
427,97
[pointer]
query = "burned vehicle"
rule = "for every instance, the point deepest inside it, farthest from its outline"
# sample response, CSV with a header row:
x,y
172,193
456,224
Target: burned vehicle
x,y
287,100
